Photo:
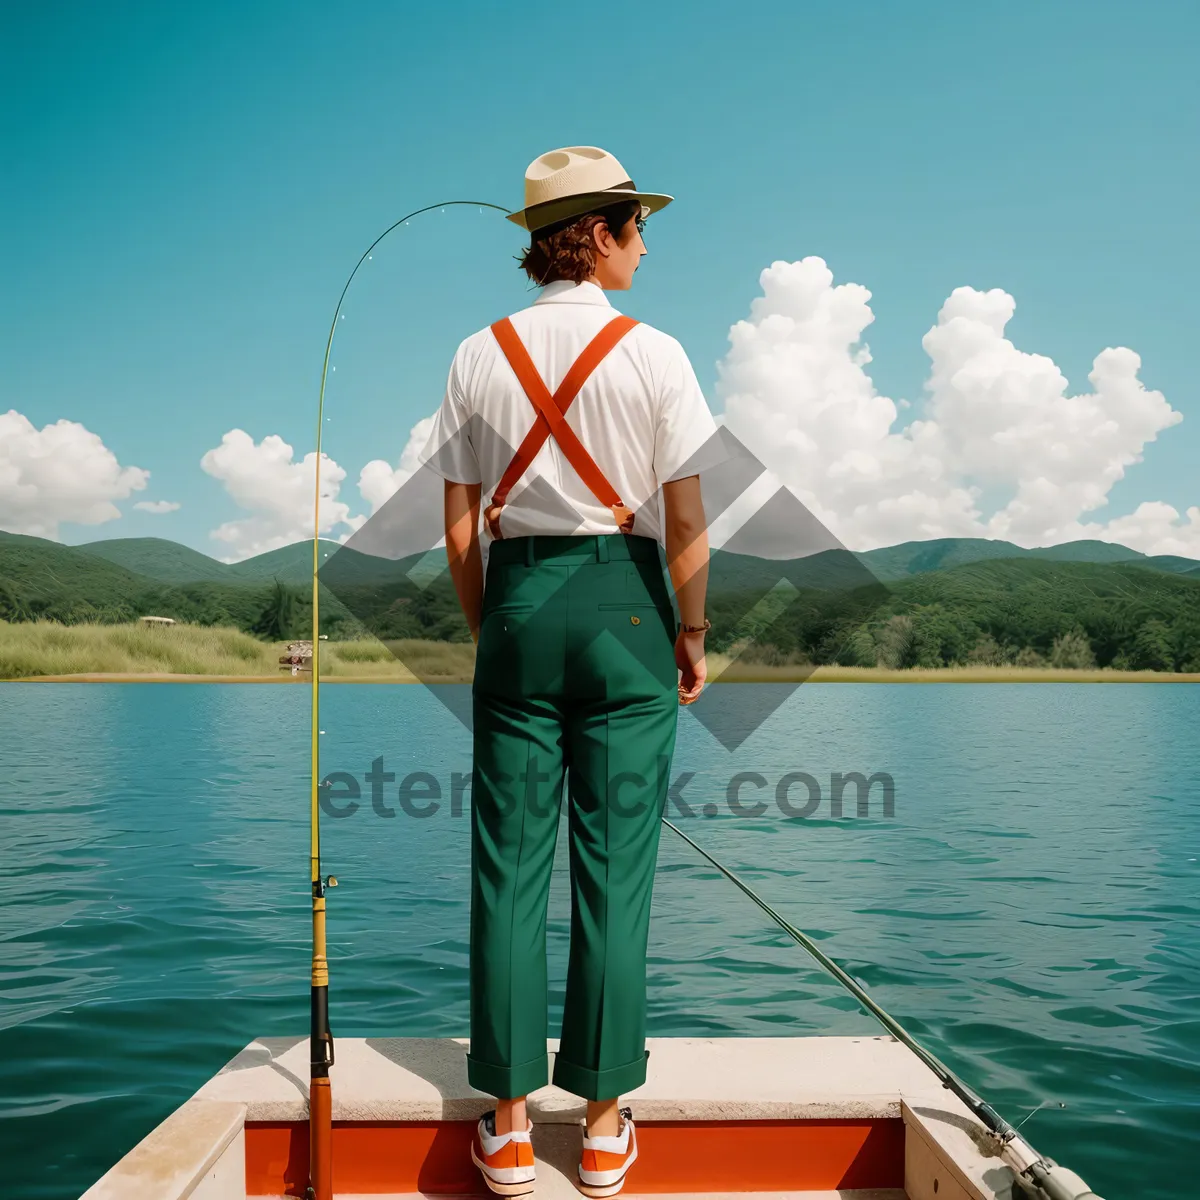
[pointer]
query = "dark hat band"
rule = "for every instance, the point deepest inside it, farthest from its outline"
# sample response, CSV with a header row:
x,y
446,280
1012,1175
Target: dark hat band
x,y
539,217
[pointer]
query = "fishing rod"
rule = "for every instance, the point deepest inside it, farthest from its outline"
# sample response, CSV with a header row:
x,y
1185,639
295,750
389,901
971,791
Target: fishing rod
x,y
1053,1181
320,1097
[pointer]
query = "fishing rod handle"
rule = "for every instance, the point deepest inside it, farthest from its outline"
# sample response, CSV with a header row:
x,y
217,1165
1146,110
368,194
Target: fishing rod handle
x,y
1051,1180
1061,1184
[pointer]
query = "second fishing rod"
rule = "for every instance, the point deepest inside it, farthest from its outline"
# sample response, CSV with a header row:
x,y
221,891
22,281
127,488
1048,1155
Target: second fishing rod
x,y
1051,1181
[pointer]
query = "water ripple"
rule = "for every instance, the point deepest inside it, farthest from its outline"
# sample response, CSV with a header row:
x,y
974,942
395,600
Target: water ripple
x,y
1030,908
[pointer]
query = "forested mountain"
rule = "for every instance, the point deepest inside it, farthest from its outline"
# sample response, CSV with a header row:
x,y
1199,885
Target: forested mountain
x,y
951,600
40,579
158,559
1024,611
169,562
939,554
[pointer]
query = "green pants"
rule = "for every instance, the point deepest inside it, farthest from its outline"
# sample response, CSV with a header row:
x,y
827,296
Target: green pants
x,y
575,676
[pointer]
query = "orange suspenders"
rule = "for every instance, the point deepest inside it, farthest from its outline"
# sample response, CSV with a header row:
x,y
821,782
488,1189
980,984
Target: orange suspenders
x,y
551,422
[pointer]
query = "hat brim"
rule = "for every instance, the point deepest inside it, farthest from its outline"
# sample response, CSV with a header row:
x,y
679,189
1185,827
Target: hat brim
x,y
551,212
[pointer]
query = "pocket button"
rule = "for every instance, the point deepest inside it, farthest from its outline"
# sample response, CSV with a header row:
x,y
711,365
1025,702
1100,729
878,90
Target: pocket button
x,y
635,620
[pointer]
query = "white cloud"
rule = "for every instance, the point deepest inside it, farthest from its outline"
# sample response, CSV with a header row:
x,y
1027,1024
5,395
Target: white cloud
x,y
1154,528
157,506
61,472
378,481
276,492
1001,451
1007,419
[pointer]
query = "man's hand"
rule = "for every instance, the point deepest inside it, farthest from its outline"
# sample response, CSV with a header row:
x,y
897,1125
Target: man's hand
x,y
462,549
687,560
689,658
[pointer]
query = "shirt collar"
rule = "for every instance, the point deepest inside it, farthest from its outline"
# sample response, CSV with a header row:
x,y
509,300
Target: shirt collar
x,y
565,291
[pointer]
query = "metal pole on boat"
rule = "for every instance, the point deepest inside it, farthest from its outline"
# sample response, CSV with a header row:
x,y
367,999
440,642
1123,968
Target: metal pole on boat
x,y
320,1096
1054,1182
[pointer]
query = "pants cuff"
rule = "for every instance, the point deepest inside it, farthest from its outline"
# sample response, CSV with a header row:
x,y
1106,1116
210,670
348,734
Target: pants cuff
x,y
599,1085
507,1083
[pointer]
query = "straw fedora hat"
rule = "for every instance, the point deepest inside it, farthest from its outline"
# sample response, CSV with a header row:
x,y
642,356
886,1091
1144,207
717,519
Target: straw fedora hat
x,y
574,181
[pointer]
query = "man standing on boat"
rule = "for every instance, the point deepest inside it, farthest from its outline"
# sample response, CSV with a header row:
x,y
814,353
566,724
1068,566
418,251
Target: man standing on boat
x,y
577,430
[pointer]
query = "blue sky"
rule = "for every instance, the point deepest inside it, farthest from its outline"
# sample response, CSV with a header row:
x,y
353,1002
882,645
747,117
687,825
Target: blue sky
x,y
187,186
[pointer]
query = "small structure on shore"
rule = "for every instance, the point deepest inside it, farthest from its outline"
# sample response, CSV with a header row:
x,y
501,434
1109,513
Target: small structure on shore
x,y
158,622
298,658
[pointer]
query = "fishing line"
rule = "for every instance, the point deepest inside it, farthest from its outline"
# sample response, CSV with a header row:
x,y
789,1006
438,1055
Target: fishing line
x,y
321,1053
315,852
1013,1148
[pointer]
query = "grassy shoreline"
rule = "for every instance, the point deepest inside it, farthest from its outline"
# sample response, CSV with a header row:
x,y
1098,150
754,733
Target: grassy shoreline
x,y
781,675
48,653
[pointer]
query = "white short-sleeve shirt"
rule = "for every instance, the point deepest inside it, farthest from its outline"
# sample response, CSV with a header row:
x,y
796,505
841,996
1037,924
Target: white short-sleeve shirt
x,y
641,415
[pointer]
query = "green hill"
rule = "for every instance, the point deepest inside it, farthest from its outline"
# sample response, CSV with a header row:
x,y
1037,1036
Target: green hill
x,y
1087,550
25,539
289,564
940,554
159,559
169,562
38,576
1173,563
43,580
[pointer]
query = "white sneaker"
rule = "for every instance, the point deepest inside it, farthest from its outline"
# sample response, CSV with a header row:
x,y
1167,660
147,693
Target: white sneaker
x,y
506,1159
606,1160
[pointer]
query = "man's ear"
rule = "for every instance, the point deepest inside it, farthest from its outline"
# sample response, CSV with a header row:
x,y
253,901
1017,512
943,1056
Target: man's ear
x,y
602,238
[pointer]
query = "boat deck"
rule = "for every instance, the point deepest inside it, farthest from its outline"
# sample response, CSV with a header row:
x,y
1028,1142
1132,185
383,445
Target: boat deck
x,y
804,1118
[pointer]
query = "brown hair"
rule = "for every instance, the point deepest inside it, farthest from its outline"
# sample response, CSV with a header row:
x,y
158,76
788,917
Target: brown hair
x,y
566,250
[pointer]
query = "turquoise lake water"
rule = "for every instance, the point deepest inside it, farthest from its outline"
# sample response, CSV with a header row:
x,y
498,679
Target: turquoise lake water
x,y
1030,908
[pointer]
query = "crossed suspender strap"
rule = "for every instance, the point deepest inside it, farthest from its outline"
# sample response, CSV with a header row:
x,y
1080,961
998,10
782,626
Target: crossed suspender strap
x,y
550,421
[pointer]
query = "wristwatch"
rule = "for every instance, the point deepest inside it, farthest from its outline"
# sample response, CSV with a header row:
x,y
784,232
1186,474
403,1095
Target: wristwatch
x,y
696,628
